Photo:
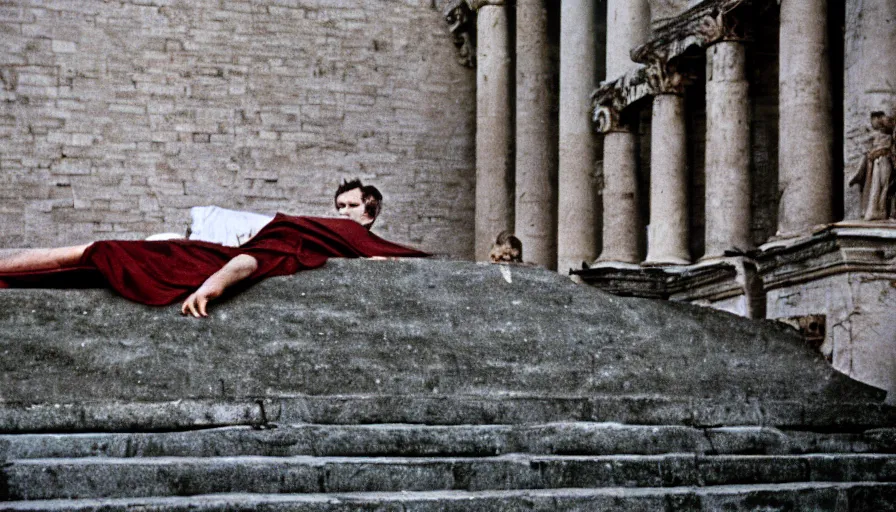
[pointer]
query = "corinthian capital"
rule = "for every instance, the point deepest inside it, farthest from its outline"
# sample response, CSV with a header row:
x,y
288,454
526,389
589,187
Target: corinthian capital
x,y
665,78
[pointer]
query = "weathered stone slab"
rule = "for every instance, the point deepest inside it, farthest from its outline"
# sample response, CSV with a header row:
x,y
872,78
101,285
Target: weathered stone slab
x,y
406,328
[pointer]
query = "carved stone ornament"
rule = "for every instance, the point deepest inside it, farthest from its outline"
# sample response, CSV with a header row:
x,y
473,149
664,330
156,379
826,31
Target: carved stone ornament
x,y
606,120
461,19
664,77
707,23
876,174
617,94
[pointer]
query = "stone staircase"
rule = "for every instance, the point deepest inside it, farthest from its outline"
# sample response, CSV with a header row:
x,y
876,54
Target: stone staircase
x,y
569,465
548,396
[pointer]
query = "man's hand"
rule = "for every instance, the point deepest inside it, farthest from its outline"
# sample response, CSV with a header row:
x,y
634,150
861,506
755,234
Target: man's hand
x,y
235,270
197,301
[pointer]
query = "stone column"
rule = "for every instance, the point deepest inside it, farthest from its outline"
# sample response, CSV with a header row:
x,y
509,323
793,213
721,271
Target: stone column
x,y
628,25
494,172
805,133
577,201
870,82
536,164
728,213
667,235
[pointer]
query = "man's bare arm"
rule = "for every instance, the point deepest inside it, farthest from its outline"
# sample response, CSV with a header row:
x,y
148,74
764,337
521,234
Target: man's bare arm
x,y
234,271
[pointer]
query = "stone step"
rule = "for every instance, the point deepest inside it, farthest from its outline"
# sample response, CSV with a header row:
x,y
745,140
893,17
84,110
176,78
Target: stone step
x,y
581,438
815,496
43,479
114,416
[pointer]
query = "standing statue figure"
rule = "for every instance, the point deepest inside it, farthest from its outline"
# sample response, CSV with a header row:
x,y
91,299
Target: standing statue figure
x,y
875,175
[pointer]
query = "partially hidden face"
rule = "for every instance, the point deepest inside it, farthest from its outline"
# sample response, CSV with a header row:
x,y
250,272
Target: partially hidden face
x,y
351,204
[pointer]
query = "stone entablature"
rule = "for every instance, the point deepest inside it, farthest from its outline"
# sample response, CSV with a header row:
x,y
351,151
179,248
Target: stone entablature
x,y
701,26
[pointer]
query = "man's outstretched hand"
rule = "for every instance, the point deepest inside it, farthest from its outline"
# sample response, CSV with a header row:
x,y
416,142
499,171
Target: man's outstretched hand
x,y
196,304
234,271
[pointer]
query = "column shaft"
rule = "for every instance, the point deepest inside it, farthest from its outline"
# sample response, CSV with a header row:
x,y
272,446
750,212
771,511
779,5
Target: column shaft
x,y
667,238
805,133
628,25
577,199
727,150
494,178
620,196
536,164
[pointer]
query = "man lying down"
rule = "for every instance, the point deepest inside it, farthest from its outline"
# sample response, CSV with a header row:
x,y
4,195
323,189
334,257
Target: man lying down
x,y
161,272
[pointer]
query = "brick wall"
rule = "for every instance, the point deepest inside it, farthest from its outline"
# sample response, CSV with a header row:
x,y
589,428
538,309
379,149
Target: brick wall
x,y
117,116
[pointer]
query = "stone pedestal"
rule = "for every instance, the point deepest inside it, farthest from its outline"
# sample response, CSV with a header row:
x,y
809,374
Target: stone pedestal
x,y
667,234
727,150
841,277
621,220
577,201
805,132
494,172
870,81
536,164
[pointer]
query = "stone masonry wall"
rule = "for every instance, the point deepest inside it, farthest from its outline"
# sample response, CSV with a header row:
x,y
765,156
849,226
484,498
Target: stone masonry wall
x,y
116,117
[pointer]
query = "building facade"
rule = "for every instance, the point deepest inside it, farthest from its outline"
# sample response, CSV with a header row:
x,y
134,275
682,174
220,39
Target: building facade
x,y
744,162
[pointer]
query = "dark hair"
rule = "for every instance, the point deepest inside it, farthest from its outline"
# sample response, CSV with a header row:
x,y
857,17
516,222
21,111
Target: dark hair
x,y
370,196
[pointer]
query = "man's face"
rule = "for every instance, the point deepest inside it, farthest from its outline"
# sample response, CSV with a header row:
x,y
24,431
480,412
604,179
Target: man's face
x,y
350,204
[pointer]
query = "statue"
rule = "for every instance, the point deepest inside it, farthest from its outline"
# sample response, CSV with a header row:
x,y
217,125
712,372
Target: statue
x,y
875,176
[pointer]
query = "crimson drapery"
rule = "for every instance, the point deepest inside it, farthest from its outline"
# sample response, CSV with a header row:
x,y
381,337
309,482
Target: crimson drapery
x,y
163,272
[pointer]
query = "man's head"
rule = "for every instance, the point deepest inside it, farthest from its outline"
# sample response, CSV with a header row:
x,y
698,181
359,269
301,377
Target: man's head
x,y
359,202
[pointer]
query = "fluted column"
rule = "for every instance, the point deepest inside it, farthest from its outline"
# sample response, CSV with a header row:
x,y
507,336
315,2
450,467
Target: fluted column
x,y
805,133
494,172
628,25
577,201
536,160
728,212
667,235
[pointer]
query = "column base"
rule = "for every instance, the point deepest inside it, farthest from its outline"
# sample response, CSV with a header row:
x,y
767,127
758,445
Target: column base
x,y
665,261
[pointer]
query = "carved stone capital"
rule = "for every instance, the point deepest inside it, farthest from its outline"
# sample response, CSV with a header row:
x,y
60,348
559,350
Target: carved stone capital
x,y
723,25
664,78
461,19
606,120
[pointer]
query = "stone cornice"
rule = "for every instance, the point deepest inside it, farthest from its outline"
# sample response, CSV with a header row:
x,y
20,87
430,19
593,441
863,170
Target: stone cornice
x,y
701,26
715,281
838,249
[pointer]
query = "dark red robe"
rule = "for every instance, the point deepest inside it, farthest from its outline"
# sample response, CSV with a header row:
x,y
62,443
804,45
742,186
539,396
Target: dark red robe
x,y
163,272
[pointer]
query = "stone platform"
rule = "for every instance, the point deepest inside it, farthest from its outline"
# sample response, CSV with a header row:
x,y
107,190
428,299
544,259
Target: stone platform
x,y
426,385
